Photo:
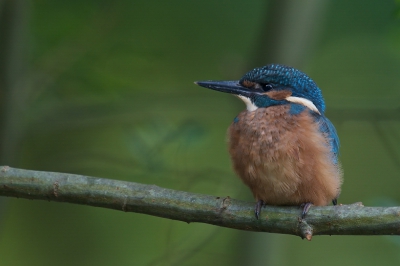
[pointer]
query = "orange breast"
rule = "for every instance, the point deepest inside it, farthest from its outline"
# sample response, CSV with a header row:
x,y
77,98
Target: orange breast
x,y
283,158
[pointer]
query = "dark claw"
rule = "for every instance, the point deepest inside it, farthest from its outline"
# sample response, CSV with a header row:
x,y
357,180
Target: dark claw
x,y
306,208
258,207
334,202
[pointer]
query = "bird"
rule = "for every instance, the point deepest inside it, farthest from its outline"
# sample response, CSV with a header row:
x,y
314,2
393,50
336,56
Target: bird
x,y
282,146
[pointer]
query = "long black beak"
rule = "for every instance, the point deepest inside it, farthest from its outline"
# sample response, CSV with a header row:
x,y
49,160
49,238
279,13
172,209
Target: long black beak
x,y
232,87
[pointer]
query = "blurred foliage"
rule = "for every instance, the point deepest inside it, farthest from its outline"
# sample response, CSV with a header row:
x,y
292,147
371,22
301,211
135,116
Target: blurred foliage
x,y
107,90
397,11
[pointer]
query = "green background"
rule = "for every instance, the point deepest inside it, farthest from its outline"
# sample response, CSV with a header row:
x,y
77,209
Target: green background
x,y
106,89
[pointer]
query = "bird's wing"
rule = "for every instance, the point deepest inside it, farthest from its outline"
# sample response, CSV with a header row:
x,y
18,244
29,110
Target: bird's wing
x,y
327,128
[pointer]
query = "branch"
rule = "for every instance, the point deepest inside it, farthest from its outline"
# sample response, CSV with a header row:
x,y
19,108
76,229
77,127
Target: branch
x,y
352,219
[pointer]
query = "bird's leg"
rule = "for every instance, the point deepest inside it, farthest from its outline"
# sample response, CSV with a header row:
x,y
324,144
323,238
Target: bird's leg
x,y
306,208
258,207
334,202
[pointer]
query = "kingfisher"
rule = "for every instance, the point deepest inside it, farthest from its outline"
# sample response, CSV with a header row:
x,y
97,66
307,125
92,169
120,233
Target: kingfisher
x,y
282,146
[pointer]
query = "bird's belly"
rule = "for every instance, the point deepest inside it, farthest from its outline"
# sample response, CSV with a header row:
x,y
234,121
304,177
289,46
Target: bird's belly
x,y
273,181
283,158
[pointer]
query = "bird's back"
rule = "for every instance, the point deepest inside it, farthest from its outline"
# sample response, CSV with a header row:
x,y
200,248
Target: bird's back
x,y
285,158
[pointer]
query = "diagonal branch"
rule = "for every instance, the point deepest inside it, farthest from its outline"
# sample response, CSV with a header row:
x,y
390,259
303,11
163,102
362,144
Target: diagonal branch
x,y
352,219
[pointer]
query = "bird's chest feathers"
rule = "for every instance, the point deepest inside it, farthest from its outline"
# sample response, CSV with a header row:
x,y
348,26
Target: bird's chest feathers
x,y
274,150
268,134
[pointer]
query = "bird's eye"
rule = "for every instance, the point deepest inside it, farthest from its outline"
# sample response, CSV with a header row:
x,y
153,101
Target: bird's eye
x,y
256,86
266,87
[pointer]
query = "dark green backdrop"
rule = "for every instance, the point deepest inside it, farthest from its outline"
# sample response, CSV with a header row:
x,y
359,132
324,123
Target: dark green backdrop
x,y
106,89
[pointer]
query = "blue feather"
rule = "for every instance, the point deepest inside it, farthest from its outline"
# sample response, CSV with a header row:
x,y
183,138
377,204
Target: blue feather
x,y
296,109
327,128
283,77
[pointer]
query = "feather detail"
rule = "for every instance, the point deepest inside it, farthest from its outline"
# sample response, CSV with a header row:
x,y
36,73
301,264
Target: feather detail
x,y
285,159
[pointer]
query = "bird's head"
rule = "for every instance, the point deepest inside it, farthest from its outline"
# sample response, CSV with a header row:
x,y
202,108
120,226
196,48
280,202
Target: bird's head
x,y
272,85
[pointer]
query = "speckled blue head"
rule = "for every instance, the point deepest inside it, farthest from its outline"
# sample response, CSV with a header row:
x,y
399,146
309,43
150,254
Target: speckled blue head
x,y
284,77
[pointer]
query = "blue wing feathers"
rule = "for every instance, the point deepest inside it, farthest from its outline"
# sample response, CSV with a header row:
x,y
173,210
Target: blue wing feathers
x,y
327,127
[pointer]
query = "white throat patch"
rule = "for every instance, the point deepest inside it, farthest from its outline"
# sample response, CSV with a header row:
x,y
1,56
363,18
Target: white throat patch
x,y
249,105
307,103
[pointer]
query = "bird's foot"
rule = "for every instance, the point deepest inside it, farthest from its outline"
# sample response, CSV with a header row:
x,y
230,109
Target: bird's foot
x,y
334,202
258,207
306,208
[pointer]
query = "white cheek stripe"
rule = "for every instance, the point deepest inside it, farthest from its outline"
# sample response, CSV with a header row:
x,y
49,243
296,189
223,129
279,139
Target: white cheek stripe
x,y
249,105
307,103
